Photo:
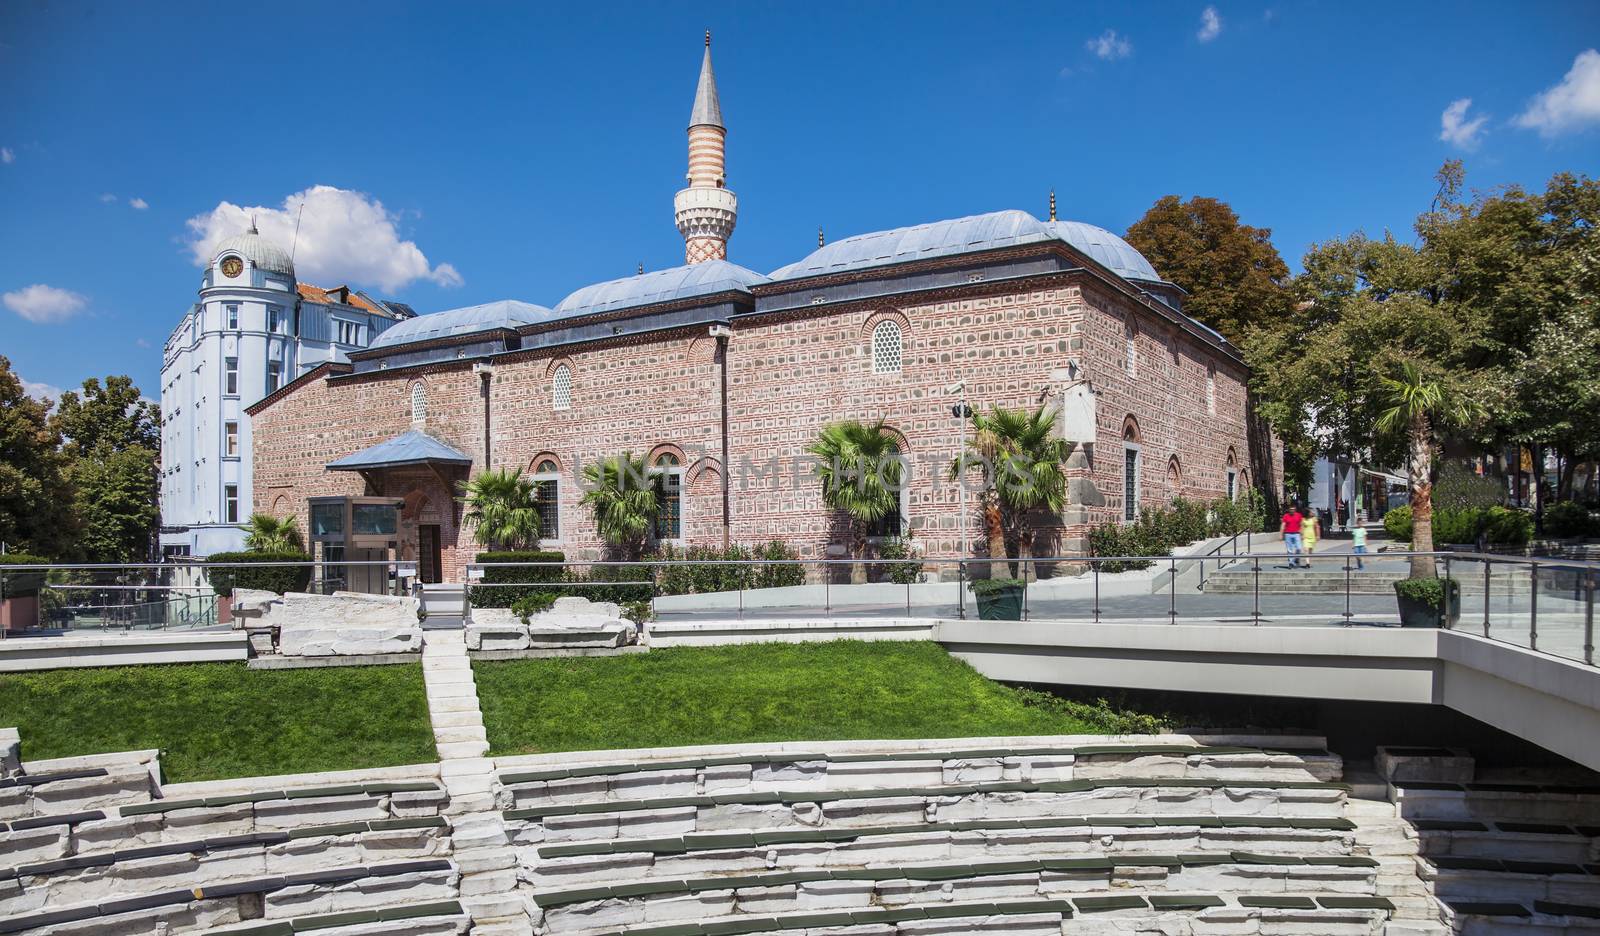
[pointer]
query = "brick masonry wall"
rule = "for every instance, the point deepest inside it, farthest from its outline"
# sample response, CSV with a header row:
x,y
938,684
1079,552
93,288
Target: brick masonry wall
x,y
789,376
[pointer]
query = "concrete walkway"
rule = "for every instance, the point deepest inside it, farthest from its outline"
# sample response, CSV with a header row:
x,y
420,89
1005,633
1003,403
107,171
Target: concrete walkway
x,y
483,853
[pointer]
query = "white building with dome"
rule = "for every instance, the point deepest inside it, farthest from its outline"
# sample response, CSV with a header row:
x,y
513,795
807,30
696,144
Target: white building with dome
x,y
252,329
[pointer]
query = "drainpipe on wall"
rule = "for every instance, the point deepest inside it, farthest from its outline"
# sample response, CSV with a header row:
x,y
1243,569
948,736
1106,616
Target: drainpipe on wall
x,y
722,333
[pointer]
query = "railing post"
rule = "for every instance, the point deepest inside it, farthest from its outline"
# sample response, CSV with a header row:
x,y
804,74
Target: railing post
x,y
1588,618
908,597
1025,571
1095,567
1445,620
827,589
1347,614
961,590
1255,611
1486,564
1172,590
1533,607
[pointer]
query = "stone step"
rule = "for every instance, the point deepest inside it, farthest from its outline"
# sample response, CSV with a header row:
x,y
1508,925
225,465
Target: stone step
x,y
471,784
466,767
458,733
455,703
484,858
488,883
463,719
470,803
458,749
496,907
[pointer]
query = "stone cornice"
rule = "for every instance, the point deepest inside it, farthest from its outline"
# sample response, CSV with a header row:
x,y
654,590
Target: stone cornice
x,y
325,369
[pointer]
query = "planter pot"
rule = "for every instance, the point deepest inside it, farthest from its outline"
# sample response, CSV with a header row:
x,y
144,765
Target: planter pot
x,y
1001,604
1415,612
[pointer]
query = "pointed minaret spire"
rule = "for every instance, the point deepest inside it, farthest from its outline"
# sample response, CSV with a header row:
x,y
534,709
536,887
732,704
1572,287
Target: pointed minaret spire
x,y
820,241
706,211
1052,204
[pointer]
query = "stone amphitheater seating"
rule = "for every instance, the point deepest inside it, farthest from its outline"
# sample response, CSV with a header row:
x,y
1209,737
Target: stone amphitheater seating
x,y
97,846
1503,856
1104,838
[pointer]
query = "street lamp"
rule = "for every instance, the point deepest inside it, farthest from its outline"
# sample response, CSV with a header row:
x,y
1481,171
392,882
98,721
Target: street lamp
x,y
962,412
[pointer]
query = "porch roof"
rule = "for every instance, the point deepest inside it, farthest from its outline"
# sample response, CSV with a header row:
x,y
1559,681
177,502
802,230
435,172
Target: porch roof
x,y
408,448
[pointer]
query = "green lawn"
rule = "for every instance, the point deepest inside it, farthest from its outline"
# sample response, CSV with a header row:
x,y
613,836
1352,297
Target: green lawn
x,y
764,692
214,720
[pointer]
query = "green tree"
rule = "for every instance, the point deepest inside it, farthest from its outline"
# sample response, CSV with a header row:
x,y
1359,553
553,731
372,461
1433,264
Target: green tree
x,y
1024,464
114,500
861,472
619,493
266,533
1232,273
34,497
1418,406
502,506
107,418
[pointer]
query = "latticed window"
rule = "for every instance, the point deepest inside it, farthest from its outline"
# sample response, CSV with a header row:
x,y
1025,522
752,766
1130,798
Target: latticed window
x,y
893,523
669,497
547,490
419,404
561,388
1130,484
886,348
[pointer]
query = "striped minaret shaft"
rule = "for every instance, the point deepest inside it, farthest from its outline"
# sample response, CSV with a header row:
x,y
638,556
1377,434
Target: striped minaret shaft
x,y
706,211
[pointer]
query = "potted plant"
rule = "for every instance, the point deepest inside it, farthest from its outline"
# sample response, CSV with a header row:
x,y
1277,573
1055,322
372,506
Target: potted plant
x,y
1422,601
999,599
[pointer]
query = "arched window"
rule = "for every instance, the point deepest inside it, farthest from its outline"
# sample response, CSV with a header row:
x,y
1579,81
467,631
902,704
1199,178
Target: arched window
x,y
419,405
1174,477
668,471
886,348
547,491
561,388
1130,473
1233,477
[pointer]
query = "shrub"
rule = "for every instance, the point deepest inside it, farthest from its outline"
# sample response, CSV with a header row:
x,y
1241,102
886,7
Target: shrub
x,y
782,570
21,584
530,576
992,586
1429,591
639,611
1504,526
689,578
1160,530
1116,539
1247,514
1457,526
529,605
900,573
1397,523
278,579
1567,518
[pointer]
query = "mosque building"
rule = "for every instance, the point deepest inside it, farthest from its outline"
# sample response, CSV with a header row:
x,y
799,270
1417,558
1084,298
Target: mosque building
x,y
720,377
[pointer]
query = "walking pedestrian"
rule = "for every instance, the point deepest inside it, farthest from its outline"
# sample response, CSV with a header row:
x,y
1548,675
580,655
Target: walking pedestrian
x,y
1293,520
1310,531
1358,535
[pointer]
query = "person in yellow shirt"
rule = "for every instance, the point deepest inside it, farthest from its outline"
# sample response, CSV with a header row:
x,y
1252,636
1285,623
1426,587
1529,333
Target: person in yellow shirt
x,y
1310,530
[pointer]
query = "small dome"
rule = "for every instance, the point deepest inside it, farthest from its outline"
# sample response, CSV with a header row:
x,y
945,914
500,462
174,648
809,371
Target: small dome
x,y
258,250
507,313
669,285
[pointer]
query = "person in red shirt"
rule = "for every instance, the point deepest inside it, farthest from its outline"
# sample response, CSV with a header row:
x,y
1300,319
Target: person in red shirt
x,y
1293,521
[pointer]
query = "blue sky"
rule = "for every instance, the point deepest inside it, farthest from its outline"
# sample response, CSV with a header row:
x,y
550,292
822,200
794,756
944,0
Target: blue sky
x,y
525,151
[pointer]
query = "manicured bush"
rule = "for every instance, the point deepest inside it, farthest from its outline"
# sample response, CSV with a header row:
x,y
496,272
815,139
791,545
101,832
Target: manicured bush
x,y
1505,526
1160,530
278,578
689,578
1457,526
527,575
1566,519
1118,539
21,584
900,573
1397,523
781,570
1429,591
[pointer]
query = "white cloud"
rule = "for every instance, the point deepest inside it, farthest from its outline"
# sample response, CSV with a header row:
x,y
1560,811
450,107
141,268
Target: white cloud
x,y
1454,127
43,392
1570,105
107,198
344,237
7,156
45,304
141,342
138,204
1110,46
1210,24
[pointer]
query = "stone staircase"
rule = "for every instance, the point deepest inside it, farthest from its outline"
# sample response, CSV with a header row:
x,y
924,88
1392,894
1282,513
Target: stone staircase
x,y
445,604
483,853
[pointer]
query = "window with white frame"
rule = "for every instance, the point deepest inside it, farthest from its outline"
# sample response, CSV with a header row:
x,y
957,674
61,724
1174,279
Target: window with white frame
x,y
669,497
230,503
230,439
886,348
230,376
547,494
274,376
274,319
232,311
419,405
561,388
1211,391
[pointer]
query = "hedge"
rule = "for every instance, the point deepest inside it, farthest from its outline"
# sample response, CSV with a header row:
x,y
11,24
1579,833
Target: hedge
x,y
1569,519
21,584
278,579
1499,526
1160,530
525,575
694,579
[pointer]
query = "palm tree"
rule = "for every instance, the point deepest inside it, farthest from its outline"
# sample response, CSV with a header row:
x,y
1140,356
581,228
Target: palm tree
x,y
624,502
1024,459
503,507
861,471
1418,405
269,534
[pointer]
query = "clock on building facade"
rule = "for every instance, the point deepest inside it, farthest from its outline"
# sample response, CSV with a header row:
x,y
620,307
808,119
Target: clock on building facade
x,y
232,266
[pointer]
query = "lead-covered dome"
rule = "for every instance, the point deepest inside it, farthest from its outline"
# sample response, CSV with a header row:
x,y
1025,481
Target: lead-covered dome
x,y
258,250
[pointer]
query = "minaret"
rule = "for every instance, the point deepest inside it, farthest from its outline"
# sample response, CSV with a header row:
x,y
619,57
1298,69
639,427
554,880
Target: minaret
x,y
706,211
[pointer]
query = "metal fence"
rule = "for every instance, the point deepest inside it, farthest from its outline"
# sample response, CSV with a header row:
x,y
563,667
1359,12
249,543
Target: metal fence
x,y
1543,604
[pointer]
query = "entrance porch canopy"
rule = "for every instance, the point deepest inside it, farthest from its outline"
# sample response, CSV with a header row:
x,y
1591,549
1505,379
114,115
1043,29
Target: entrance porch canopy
x,y
402,451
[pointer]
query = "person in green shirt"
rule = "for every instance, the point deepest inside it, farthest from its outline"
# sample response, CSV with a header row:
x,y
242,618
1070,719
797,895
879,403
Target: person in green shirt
x,y
1358,534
